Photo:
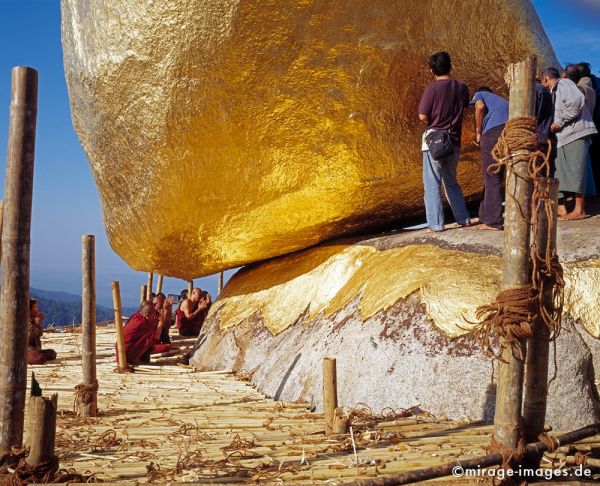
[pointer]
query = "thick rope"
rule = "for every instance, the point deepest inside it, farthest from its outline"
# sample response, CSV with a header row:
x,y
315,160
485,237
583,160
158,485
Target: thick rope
x,y
85,394
509,319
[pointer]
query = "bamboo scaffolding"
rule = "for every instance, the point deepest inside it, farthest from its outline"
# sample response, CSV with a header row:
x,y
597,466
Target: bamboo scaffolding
x,y
88,408
159,284
156,417
329,393
16,229
515,260
116,294
149,286
538,346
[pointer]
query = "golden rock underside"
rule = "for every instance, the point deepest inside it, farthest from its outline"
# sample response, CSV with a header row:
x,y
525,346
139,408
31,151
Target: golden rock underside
x,y
323,280
223,132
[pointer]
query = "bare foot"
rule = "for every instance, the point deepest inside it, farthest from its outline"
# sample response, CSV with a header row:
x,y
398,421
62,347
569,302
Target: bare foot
x,y
562,210
485,227
573,216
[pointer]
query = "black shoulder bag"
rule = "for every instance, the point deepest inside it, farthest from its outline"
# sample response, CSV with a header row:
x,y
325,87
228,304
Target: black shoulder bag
x,y
439,142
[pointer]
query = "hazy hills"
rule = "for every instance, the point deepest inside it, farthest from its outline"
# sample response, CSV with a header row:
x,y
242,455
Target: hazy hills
x,y
63,308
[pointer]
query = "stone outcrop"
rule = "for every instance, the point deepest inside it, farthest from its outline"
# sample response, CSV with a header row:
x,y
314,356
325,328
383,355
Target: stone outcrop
x,y
397,325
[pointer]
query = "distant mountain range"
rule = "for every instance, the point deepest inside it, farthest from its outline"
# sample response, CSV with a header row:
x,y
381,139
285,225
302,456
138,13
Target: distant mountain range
x,y
62,308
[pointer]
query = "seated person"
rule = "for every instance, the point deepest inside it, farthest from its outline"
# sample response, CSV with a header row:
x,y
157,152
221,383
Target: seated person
x,y
164,308
142,333
35,353
192,312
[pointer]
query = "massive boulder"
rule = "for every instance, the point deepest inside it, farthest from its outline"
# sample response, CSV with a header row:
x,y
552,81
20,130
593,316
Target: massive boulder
x,y
223,132
396,311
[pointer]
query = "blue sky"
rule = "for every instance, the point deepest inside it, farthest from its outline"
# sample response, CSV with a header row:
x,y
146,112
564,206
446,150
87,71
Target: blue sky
x,y
66,203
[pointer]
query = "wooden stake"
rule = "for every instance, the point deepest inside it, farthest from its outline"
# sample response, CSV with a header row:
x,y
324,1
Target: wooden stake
x,y
538,346
1,217
149,286
159,284
16,229
329,393
41,427
88,323
220,285
143,292
190,288
116,294
515,263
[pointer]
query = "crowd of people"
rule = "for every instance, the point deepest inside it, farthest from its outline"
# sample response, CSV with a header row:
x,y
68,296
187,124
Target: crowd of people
x,y
147,331
568,121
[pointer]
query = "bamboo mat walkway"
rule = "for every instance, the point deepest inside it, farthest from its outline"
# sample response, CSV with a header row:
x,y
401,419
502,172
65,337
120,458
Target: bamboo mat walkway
x,y
169,423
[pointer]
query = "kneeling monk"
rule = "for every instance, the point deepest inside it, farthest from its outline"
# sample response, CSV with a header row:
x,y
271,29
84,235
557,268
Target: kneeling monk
x,y
192,312
35,353
142,333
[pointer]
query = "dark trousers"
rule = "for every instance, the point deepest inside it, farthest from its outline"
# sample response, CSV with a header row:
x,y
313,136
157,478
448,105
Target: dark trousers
x,y
490,209
595,156
164,335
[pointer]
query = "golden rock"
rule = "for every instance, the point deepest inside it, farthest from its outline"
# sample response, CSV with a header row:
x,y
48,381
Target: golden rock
x,y
224,132
451,284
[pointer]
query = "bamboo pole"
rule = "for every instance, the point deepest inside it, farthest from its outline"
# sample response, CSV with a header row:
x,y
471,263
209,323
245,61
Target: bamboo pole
x,y
329,393
41,428
190,288
149,286
475,464
143,292
1,218
116,295
159,284
515,262
16,229
538,346
220,285
88,408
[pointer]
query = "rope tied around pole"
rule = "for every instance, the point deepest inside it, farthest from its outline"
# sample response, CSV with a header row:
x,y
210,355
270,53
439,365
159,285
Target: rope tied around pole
x,y
85,393
43,473
510,317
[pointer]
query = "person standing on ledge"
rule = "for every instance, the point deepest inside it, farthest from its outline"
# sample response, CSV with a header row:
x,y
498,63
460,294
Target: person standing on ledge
x,y
192,312
573,126
491,113
441,108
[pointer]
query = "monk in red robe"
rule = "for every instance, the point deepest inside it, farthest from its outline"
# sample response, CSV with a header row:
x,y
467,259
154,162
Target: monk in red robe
x,y
192,312
35,353
164,308
142,334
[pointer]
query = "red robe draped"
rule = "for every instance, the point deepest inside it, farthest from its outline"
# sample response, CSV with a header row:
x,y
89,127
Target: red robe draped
x,y
140,337
190,327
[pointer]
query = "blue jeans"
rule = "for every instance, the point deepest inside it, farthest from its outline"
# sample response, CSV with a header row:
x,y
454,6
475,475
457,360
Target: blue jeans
x,y
436,173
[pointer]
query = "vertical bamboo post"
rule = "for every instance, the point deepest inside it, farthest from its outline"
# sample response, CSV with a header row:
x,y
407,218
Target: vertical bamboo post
x,y
143,292
88,407
1,218
159,284
515,263
41,428
190,288
16,228
116,295
149,286
329,393
538,346
220,284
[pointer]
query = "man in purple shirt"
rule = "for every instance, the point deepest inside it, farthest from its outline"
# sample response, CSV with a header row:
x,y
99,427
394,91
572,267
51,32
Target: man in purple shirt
x,y
441,108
